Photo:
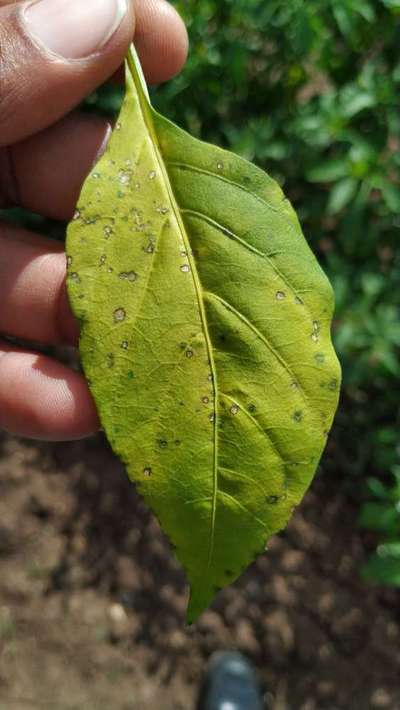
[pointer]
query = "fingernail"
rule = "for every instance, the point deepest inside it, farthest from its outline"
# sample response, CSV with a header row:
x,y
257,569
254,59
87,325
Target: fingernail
x,y
74,29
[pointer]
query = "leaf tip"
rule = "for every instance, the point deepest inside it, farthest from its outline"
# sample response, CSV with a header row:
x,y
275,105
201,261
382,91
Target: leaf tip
x,y
197,604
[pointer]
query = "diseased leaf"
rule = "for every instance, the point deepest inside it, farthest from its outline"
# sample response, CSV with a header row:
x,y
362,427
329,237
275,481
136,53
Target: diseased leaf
x,y
205,338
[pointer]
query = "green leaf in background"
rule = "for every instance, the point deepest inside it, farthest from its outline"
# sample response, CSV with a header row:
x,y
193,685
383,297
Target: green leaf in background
x,y
205,337
384,566
392,4
329,171
391,195
343,192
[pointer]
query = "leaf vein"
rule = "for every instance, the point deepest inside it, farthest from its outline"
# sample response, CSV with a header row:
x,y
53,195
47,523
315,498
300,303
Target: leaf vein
x,y
222,178
268,257
259,335
244,508
224,230
256,423
244,477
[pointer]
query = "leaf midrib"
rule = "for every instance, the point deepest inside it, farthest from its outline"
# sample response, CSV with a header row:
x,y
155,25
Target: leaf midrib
x,y
147,113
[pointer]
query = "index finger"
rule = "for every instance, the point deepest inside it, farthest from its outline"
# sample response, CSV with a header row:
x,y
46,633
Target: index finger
x,y
54,52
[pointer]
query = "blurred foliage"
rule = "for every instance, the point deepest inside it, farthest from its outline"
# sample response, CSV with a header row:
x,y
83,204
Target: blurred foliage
x,y
309,90
382,514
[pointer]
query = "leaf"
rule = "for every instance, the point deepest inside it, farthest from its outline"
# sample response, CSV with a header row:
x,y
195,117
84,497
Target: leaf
x,y
342,193
384,566
205,338
392,4
355,101
381,517
329,171
391,195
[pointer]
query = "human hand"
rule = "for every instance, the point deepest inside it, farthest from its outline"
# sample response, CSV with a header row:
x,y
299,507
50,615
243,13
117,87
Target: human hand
x,y
45,154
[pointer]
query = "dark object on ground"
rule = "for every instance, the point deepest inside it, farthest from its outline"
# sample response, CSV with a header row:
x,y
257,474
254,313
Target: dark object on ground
x,y
230,683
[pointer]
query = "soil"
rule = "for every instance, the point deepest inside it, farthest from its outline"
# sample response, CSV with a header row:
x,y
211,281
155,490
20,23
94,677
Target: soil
x,y
92,602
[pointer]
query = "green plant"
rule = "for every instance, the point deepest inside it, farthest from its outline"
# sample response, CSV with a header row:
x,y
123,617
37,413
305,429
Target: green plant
x,y
382,515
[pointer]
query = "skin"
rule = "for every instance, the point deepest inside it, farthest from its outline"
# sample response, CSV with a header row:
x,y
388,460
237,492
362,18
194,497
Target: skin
x,y
46,150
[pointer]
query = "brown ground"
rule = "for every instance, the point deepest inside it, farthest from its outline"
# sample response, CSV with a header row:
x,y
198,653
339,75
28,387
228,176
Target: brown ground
x,y
92,603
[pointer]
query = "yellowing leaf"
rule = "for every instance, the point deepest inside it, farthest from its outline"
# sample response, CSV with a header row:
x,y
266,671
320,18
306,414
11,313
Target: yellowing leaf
x,y
205,338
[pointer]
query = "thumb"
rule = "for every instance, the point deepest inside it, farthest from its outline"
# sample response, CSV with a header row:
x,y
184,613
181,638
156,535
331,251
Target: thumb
x,y
53,53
